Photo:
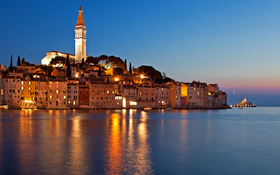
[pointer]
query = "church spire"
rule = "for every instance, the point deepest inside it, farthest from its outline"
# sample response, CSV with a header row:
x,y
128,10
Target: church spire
x,y
80,21
80,38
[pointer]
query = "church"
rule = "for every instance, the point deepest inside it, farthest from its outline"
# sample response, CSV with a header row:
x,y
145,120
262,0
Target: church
x,y
80,44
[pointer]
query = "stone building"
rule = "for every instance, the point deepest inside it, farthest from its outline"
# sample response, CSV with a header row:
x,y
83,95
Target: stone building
x,y
57,94
102,95
11,86
73,93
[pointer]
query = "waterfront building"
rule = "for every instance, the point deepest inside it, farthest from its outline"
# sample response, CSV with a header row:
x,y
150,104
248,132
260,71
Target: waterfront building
x,y
146,96
28,92
73,93
162,96
118,101
12,95
102,95
57,94
213,88
220,99
130,96
41,92
83,95
1,88
195,95
174,94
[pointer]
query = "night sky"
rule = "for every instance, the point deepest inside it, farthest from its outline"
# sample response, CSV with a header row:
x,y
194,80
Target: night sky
x,y
233,43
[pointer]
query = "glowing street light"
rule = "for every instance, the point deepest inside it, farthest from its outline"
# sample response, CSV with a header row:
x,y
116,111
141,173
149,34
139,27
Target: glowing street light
x,y
77,75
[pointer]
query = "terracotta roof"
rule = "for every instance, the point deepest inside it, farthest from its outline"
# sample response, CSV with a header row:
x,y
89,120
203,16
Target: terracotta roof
x,y
80,21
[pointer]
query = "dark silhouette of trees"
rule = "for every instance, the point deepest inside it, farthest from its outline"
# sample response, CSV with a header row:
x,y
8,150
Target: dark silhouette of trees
x,y
113,61
130,69
18,61
125,65
57,60
93,60
167,79
11,63
23,60
83,62
68,66
99,71
117,71
149,71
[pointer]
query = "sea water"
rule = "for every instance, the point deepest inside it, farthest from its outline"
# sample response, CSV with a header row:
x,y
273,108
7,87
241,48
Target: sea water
x,y
230,141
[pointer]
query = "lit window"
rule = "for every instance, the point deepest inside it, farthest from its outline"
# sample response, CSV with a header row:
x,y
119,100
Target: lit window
x,y
29,83
133,103
57,91
64,97
108,92
50,96
29,88
22,88
22,82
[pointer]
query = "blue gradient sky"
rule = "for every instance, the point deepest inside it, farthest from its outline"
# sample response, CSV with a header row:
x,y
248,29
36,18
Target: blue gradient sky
x,y
233,43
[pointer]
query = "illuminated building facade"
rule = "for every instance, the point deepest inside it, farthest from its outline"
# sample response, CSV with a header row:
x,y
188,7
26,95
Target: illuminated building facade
x,y
102,95
57,94
73,93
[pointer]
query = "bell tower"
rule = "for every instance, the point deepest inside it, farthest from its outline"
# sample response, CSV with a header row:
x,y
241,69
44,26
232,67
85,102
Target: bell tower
x,y
80,38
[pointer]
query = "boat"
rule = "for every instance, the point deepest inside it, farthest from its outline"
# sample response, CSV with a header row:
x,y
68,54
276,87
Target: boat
x,y
169,108
148,108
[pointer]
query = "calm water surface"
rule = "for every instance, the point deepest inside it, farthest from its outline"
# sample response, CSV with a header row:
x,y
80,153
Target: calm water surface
x,y
233,141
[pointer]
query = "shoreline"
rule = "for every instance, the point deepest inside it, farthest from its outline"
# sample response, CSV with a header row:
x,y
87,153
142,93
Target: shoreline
x,y
117,109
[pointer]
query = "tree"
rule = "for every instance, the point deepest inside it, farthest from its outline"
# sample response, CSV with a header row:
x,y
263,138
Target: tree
x,y
58,60
92,60
150,71
11,63
83,62
130,70
68,66
18,61
23,60
167,79
99,71
125,65
117,71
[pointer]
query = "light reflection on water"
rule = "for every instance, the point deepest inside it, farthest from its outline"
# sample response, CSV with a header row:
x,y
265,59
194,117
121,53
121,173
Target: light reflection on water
x,y
140,142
